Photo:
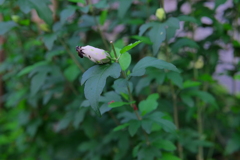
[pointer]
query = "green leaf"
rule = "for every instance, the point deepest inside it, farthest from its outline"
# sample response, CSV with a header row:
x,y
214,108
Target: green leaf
x,y
24,6
237,77
140,68
124,5
125,61
188,84
143,82
37,82
157,35
95,78
142,39
147,125
233,145
77,1
30,68
187,100
6,26
120,86
120,127
66,13
145,27
101,4
135,150
180,43
119,104
49,39
188,19
71,72
130,46
133,127
149,104
1,2
176,78
43,11
205,96
218,3
164,144
171,25
103,17
168,156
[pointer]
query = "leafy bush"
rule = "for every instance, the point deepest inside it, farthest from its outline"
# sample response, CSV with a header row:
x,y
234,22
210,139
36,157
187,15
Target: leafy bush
x,y
153,97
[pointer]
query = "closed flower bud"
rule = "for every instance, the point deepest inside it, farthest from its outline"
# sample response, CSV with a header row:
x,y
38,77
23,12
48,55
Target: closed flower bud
x,y
160,14
96,55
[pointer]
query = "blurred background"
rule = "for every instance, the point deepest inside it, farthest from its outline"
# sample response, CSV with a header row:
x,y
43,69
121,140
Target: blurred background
x,y
43,111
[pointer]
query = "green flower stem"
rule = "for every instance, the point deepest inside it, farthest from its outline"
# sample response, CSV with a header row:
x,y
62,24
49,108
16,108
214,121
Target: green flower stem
x,y
71,55
130,96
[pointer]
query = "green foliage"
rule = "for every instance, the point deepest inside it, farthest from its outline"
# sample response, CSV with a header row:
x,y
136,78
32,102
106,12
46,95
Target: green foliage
x,y
157,99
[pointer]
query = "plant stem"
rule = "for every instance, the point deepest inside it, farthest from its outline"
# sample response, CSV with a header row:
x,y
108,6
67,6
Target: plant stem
x,y
71,55
175,108
98,27
133,106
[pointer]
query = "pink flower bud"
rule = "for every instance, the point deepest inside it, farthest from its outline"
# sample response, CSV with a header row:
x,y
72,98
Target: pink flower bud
x,y
111,102
96,55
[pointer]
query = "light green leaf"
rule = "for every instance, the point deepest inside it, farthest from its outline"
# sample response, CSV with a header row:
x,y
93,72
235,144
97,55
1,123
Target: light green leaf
x,y
95,78
164,144
133,127
188,84
37,82
120,127
43,11
140,68
124,5
119,104
142,39
6,26
71,72
169,156
157,35
149,104
176,78
130,46
103,17
125,61
1,2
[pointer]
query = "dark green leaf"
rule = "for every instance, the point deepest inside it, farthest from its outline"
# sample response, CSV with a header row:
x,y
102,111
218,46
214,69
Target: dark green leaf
x,y
143,82
149,104
49,39
180,43
187,100
176,78
233,145
6,26
43,11
140,68
130,46
77,1
95,78
24,6
37,82
133,127
124,5
205,96
125,61
188,19
120,86
101,4
145,27
66,13
171,25
157,35
31,67
147,125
